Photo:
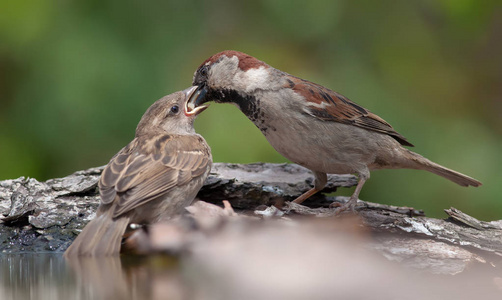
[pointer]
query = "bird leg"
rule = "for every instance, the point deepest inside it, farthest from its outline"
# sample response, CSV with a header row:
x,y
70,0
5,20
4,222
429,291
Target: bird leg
x,y
351,204
319,183
305,195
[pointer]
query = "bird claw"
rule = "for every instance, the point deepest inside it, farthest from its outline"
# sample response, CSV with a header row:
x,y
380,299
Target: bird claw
x,y
335,205
348,206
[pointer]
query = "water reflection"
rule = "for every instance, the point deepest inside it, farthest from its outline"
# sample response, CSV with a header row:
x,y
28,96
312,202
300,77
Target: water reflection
x,y
49,276
246,262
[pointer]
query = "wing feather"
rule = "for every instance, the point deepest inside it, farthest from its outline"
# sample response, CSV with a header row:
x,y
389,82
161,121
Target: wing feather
x,y
149,167
328,105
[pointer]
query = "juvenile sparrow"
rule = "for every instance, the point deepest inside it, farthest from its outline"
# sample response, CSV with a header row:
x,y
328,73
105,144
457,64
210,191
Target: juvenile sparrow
x,y
309,124
152,178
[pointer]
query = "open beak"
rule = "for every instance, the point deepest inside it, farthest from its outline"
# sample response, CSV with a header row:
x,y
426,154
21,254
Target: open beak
x,y
196,97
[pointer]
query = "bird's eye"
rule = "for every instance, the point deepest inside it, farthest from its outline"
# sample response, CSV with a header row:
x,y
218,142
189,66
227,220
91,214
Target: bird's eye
x,y
203,71
175,109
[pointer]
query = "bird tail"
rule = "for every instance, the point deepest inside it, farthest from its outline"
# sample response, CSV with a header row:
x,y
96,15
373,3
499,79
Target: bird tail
x,y
420,162
101,237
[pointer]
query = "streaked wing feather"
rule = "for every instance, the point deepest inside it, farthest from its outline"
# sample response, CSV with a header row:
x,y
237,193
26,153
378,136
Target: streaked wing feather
x,y
133,172
149,167
107,194
149,189
184,176
201,165
328,105
111,174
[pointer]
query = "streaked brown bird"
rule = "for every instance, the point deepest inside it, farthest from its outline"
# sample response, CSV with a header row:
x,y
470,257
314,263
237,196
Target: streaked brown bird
x,y
309,124
151,179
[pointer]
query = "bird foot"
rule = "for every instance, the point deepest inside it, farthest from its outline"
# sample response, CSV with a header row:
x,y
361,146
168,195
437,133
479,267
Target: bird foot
x,y
340,208
335,205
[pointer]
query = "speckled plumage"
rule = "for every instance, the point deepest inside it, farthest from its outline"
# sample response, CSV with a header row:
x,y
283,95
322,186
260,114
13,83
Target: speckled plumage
x,y
151,179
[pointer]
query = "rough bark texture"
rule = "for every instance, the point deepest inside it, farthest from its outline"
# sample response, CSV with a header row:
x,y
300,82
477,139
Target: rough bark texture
x,y
46,216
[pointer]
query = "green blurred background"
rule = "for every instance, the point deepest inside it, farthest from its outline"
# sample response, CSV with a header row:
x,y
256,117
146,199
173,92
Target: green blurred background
x,y
76,77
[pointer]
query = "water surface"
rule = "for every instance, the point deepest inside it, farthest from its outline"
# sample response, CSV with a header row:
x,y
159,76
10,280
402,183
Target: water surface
x,y
50,276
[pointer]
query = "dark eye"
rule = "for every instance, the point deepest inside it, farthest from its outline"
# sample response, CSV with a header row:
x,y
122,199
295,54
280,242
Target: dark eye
x,y
203,71
175,109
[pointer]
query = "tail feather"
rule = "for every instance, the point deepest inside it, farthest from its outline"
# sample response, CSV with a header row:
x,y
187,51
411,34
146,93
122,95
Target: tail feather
x,y
101,237
428,165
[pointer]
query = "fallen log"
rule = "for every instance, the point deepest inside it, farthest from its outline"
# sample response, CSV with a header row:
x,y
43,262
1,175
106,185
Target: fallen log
x,y
46,216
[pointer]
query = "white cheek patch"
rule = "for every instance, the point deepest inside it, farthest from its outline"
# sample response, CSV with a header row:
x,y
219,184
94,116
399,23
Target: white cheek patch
x,y
221,74
254,79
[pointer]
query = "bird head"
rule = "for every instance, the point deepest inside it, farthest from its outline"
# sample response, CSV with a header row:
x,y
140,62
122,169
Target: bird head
x,y
233,77
171,113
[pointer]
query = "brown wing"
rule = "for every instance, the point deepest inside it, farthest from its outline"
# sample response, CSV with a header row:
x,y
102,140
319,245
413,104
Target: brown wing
x,y
331,106
150,167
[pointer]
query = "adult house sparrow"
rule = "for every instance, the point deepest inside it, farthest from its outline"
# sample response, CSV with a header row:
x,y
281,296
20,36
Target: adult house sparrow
x,y
151,179
309,124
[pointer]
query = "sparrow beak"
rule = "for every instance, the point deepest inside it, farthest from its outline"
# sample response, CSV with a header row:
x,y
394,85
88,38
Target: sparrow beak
x,y
196,96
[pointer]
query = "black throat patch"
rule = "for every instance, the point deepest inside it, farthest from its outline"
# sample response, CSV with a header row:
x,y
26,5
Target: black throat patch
x,y
249,105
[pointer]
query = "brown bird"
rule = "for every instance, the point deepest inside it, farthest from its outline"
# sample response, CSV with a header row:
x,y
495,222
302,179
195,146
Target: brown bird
x,y
309,124
151,179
